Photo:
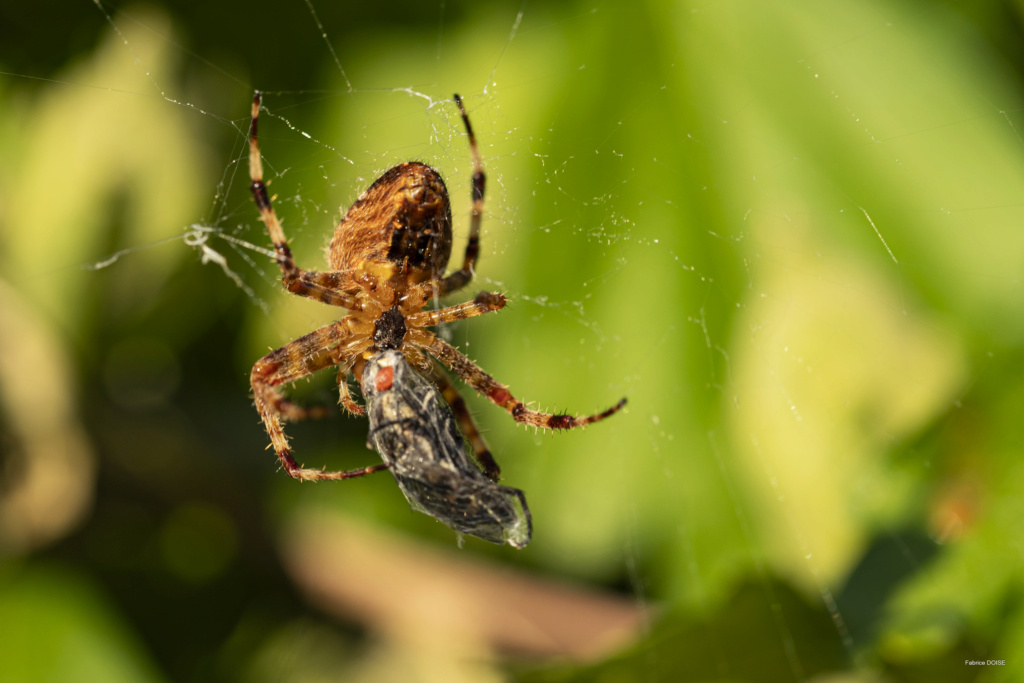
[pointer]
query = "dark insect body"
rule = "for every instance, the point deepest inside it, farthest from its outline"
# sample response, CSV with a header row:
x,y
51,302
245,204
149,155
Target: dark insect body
x,y
416,435
387,263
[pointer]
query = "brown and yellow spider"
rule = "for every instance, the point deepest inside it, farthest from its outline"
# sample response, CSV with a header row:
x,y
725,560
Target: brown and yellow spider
x,y
387,261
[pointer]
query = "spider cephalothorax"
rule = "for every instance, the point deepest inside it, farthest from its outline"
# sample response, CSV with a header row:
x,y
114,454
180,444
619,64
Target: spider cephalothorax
x,y
387,261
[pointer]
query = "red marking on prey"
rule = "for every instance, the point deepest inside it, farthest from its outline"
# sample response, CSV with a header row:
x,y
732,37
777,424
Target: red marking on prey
x,y
385,377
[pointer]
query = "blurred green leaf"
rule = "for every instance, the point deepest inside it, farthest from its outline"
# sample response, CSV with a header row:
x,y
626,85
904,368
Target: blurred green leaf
x,y
57,627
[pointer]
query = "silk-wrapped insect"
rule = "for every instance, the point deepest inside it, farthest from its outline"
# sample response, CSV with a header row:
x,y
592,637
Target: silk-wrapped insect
x,y
415,433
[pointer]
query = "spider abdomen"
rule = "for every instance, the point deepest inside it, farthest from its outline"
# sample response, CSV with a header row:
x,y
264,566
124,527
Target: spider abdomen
x,y
399,230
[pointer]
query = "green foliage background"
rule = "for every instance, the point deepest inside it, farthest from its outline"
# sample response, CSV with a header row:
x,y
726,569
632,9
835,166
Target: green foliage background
x,y
791,233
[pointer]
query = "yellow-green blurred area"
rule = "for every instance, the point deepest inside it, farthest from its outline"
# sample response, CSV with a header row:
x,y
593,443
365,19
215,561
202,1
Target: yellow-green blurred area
x,y
791,233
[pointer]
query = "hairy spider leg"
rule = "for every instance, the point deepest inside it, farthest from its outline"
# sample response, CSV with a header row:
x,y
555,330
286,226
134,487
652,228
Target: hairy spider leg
x,y
344,394
485,302
458,405
470,373
460,278
321,286
304,356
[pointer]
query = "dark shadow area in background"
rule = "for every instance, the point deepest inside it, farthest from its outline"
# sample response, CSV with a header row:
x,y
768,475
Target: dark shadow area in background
x,y
889,561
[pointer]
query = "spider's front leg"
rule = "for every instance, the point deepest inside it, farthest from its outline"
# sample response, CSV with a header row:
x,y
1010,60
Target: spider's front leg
x,y
461,278
498,393
322,286
315,351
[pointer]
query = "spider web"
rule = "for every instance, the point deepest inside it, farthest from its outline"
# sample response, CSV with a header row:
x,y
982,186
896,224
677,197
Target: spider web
x,y
788,235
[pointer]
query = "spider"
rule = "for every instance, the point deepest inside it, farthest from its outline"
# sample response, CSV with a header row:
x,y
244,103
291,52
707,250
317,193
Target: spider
x,y
387,260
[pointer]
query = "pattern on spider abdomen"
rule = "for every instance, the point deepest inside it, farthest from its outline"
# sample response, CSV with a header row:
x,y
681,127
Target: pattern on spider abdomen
x,y
400,227
415,433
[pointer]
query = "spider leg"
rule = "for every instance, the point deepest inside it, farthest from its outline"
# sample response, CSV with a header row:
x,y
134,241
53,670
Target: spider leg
x,y
345,396
485,302
498,393
465,420
322,286
461,278
304,356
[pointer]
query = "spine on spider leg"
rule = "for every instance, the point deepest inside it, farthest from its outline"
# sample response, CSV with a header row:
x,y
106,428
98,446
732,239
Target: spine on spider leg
x,y
492,301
